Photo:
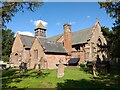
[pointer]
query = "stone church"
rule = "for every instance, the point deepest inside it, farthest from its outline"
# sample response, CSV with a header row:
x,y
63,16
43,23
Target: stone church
x,y
71,47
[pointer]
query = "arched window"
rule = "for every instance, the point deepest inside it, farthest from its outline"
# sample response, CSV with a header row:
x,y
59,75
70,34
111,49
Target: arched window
x,y
77,48
99,41
35,54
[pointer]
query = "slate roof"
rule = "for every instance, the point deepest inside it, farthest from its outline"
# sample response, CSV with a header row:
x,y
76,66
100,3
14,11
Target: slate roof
x,y
78,37
50,45
53,47
54,38
81,36
27,40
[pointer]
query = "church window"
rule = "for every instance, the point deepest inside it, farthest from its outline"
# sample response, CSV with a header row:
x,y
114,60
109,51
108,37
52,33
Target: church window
x,y
77,48
35,54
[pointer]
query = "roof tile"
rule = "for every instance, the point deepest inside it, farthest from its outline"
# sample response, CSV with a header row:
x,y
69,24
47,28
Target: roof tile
x,y
78,37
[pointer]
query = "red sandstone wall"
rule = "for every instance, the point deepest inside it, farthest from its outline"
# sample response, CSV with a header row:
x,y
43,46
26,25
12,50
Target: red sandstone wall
x,y
36,46
26,57
53,59
17,45
17,48
68,38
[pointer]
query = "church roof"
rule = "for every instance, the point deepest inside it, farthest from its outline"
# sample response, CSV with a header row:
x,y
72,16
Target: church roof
x,y
78,37
54,38
81,36
27,40
50,45
53,47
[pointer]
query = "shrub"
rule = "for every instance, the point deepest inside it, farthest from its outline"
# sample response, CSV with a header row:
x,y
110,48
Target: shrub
x,y
5,58
82,65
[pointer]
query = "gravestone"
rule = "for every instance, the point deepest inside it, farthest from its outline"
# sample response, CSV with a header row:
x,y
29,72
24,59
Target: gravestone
x,y
23,67
60,72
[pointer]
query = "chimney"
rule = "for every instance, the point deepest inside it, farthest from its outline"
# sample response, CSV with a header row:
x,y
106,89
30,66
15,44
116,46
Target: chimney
x,y
67,38
40,30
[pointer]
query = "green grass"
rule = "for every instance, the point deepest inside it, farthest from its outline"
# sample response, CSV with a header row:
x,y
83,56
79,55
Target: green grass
x,y
73,78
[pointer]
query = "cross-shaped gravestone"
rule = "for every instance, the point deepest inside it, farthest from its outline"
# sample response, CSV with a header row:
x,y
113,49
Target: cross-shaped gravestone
x,y
60,72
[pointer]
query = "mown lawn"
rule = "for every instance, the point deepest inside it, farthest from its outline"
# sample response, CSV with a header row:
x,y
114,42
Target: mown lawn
x,y
73,78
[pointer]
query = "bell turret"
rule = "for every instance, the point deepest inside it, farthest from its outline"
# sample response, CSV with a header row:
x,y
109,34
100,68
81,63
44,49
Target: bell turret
x,y
40,30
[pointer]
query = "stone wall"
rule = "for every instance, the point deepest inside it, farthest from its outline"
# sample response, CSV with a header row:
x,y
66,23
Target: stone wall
x,y
68,38
17,50
79,53
95,39
53,60
26,57
36,46
17,45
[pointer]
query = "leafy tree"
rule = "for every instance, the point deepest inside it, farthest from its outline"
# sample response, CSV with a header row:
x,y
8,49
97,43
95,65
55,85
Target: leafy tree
x,y
0,44
7,41
9,9
108,34
113,9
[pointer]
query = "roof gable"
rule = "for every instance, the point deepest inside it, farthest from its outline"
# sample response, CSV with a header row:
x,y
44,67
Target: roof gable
x,y
27,40
50,46
17,42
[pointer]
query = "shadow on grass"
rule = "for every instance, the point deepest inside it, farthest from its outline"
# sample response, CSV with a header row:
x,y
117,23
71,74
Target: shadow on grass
x,y
112,73
85,85
15,76
9,72
37,73
7,77
109,81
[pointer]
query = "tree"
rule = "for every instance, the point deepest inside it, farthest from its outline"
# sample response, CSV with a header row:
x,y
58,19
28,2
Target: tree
x,y
7,42
0,44
113,9
9,9
108,35
106,32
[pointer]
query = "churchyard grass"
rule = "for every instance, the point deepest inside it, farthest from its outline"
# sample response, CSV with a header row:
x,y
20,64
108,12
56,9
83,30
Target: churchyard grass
x,y
73,78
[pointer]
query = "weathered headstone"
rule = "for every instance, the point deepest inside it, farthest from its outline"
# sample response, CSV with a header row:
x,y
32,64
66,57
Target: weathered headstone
x,y
23,67
60,72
